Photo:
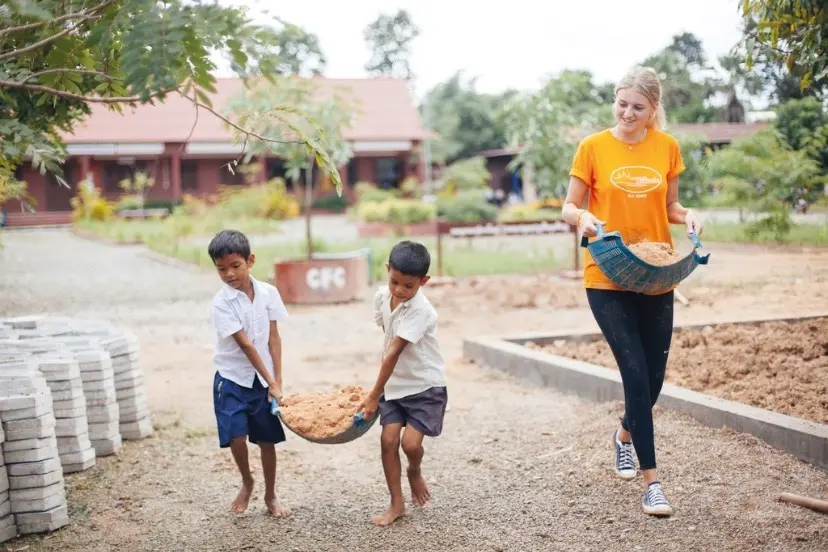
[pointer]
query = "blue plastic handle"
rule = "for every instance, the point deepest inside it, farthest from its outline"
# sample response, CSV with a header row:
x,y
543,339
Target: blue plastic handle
x,y
274,406
695,239
359,418
600,228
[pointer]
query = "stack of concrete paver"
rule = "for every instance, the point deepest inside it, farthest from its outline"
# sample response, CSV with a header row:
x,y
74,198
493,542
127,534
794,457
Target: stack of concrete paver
x,y
62,374
135,422
37,497
101,400
8,530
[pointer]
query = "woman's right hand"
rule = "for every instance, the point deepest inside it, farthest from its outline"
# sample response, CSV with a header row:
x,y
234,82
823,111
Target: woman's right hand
x,y
587,224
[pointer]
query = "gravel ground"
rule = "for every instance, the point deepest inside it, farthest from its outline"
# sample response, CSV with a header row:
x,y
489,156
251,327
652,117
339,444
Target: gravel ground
x,y
517,468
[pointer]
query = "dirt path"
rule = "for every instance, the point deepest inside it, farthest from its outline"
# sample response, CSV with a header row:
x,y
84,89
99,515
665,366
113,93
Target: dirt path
x,y
516,469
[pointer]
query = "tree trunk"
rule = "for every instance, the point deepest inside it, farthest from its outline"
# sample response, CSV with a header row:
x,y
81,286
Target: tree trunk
x,y
308,201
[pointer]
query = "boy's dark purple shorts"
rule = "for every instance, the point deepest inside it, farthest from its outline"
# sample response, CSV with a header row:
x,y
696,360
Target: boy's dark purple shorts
x,y
244,412
424,411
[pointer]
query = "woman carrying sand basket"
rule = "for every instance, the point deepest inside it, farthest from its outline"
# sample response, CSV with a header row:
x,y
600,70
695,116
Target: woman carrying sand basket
x,y
630,172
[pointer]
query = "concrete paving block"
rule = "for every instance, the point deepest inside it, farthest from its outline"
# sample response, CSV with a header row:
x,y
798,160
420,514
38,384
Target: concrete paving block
x,y
78,457
26,407
24,387
132,431
136,382
42,522
135,415
35,481
38,505
103,414
140,399
47,420
36,493
31,433
103,431
98,386
28,456
8,533
68,404
81,466
93,359
5,504
4,481
38,467
73,444
22,322
70,427
102,396
2,438
103,374
136,393
64,385
6,521
107,446
71,394
27,444
70,413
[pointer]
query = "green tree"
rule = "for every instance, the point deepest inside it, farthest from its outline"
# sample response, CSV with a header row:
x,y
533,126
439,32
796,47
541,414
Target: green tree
x,y
793,33
286,109
390,38
57,57
463,118
546,127
763,174
803,124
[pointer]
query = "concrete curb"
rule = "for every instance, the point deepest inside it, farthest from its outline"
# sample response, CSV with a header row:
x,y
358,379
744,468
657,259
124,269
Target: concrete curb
x,y
804,439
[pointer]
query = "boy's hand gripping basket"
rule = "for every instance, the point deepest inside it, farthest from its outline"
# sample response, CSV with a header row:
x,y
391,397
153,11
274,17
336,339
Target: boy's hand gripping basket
x,y
359,428
631,273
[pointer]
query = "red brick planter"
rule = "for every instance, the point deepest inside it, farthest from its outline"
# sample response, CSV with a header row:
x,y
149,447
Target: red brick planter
x,y
383,229
338,279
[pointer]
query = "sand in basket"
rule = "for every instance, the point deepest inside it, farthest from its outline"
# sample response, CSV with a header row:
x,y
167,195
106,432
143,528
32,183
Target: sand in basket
x,y
320,415
655,253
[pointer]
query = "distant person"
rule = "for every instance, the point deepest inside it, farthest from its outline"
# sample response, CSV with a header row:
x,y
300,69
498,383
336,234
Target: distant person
x,y
248,364
631,174
410,391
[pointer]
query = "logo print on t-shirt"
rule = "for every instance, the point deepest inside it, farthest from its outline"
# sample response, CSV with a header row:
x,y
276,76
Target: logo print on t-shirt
x,y
636,179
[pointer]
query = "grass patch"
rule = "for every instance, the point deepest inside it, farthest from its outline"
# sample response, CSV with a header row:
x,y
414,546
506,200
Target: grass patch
x,y
171,228
459,258
733,232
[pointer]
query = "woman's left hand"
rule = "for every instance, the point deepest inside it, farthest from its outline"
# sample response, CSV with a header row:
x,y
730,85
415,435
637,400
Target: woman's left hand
x,y
693,222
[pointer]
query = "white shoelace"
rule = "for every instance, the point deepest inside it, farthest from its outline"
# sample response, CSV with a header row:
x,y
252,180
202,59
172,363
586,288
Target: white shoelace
x,y
625,457
655,496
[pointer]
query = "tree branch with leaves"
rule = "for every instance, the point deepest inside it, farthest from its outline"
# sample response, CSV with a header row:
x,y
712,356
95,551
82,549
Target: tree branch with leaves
x,y
61,56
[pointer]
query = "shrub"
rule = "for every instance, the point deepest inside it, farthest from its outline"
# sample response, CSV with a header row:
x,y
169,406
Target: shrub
x,y
89,205
466,207
396,211
330,202
367,192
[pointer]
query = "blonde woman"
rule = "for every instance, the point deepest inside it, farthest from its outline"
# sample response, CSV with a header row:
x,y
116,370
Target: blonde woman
x,y
630,174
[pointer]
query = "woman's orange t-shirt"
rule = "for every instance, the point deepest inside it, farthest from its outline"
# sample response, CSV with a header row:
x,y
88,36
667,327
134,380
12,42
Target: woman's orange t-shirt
x,y
627,189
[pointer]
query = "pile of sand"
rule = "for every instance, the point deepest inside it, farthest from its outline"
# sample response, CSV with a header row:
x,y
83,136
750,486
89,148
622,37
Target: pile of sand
x,y
655,253
320,415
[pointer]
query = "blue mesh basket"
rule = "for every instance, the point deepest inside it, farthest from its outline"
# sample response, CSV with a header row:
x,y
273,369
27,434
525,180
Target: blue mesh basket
x,y
359,428
631,273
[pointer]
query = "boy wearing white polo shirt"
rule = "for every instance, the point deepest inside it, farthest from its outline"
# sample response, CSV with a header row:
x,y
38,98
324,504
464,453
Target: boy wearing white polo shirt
x,y
410,391
248,364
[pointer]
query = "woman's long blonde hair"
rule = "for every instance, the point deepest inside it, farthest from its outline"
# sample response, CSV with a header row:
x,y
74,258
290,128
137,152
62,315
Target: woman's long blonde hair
x,y
645,80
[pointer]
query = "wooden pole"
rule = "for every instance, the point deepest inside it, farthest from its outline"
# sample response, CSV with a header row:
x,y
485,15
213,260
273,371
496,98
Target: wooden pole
x,y
308,202
805,501
439,250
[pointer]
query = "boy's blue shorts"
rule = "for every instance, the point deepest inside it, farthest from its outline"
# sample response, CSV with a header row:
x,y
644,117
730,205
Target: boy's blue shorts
x,y
244,411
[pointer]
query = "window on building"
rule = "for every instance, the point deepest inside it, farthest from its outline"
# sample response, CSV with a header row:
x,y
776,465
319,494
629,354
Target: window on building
x,y
189,176
389,172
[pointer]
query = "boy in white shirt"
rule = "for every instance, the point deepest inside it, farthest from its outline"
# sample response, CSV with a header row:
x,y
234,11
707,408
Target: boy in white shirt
x,y
410,391
248,364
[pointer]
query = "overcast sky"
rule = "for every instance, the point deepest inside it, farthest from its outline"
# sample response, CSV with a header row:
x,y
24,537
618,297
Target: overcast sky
x,y
515,43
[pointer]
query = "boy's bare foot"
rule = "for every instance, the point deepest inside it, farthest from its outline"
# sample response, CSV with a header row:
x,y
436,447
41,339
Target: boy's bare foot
x,y
276,509
389,516
419,489
240,504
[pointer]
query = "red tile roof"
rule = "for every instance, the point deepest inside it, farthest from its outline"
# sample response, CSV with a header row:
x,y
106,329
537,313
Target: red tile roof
x,y
385,111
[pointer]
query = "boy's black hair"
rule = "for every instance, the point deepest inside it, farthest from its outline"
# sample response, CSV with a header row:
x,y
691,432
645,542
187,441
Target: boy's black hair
x,y
410,258
229,242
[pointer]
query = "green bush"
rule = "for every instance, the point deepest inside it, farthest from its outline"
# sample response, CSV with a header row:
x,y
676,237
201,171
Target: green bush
x,y
397,211
330,202
367,192
467,207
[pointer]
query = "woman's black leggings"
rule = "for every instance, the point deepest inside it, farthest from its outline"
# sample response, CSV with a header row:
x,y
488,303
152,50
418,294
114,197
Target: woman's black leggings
x,y
638,329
